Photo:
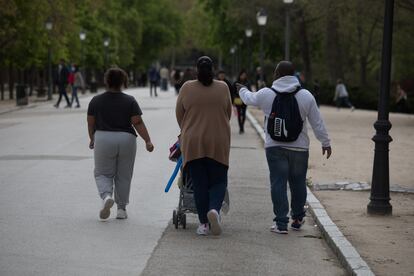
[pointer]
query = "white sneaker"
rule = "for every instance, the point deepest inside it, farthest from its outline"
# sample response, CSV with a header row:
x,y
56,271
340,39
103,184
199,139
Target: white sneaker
x,y
214,219
202,229
121,214
278,230
108,202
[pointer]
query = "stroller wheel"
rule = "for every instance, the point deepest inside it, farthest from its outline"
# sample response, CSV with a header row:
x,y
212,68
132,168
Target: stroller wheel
x,y
175,219
184,221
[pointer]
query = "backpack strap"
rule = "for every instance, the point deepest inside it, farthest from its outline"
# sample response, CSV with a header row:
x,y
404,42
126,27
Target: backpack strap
x,y
294,92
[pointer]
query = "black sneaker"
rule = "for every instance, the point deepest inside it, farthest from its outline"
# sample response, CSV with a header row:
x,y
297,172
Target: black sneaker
x,y
297,224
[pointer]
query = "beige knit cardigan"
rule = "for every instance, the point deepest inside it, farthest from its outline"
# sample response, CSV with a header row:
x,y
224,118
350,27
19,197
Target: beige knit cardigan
x,y
203,114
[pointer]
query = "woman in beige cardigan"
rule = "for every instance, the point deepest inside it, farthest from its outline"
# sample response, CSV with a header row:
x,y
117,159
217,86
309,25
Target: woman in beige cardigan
x,y
203,113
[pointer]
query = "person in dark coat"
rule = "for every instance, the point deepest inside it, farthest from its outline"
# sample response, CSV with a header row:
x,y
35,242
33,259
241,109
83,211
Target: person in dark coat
x,y
62,82
154,78
221,75
238,103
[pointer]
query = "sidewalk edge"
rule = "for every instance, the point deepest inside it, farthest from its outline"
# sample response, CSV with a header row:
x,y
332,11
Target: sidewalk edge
x,y
343,249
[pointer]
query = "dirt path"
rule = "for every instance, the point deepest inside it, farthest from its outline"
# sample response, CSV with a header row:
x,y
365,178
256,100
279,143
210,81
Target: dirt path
x,y
386,243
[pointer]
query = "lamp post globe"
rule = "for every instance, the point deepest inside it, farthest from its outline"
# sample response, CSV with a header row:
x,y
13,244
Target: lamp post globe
x,y
82,35
49,25
106,42
261,17
248,32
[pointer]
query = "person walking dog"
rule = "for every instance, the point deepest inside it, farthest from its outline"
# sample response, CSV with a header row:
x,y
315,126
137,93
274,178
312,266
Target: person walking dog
x,y
287,108
203,113
114,119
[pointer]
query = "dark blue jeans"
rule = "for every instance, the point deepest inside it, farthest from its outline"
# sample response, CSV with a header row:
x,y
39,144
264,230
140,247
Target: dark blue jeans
x,y
343,101
287,165
74,96
209,183
62,92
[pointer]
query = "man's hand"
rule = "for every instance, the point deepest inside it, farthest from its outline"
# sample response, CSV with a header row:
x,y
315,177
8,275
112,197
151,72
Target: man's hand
x,y
238,86
328,151
149,146
92,144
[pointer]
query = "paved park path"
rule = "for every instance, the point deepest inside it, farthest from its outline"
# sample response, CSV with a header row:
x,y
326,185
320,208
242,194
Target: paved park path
x,y
49,207
49,203
246,247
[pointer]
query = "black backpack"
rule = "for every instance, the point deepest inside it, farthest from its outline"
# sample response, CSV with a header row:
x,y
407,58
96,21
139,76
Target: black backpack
x,y
285,123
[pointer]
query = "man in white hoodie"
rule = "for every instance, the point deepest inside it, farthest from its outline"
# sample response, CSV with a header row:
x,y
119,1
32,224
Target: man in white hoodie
x,y
288,161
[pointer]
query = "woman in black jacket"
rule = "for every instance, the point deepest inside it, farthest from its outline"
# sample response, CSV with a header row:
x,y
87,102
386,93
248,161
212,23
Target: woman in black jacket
x,y
237,102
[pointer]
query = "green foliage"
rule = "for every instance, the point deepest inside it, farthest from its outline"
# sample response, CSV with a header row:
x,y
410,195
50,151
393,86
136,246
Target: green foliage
x,y
138,30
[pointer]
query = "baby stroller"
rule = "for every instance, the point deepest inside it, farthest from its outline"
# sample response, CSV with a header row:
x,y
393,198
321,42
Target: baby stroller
x,y
186,203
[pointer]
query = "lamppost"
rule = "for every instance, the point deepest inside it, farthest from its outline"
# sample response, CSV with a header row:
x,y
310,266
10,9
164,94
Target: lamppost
x,y
49,27
287,30
261,21
380,187
82,36
232,52
249,33
240,57
107,40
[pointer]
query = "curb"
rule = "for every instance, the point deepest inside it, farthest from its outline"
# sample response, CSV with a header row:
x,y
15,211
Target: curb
x,y
15,108
35,103
343,249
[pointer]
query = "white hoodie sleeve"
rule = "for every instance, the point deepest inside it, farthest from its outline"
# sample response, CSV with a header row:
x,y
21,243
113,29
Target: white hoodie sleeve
x,y
253,98
318,126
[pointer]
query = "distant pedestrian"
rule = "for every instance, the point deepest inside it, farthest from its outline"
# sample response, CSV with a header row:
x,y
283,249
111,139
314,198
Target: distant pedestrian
x,y
401,99
188,75
154,78
288,161
316,91
164,74
62,82
114,119
177,80
78,83
341,96
71,75
203,113
260,83
221,75
238,103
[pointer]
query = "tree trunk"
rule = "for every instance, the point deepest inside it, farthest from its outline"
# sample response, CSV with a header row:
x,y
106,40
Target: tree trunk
x,y
32,74
2,79
360,39
333,44
304,46
11,82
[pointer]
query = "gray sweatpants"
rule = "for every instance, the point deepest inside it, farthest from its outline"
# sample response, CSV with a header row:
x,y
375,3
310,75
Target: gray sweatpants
x,y
114,155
